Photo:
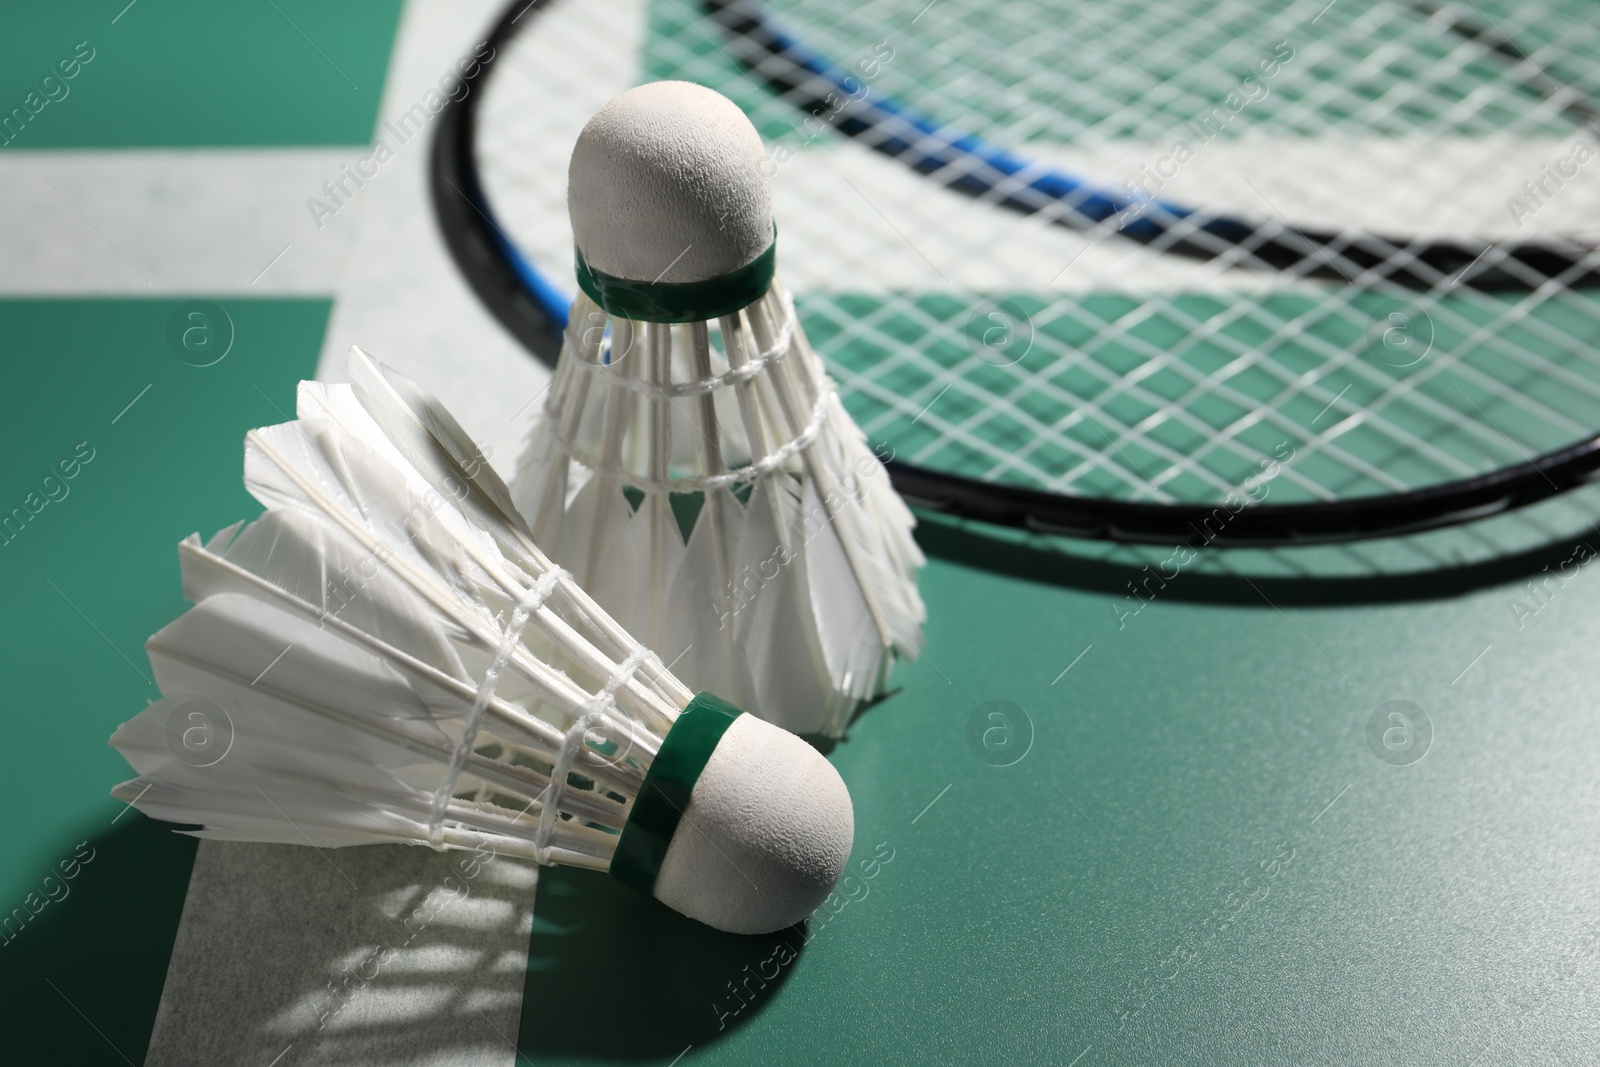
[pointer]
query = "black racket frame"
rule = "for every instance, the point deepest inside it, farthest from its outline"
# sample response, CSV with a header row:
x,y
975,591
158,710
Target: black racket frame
x,y
478,247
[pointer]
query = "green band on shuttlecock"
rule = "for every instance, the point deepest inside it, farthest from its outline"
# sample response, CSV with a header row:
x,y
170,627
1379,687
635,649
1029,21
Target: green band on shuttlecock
x,y
665,794
681,301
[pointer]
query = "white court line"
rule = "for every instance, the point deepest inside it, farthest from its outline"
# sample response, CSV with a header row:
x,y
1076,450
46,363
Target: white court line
x,y
196,221
206,223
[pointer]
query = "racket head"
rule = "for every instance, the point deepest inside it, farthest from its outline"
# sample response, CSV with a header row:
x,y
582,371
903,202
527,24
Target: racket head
x,y
1026,368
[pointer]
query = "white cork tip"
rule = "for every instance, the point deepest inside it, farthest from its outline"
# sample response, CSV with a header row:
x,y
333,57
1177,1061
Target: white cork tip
x,y
669,182
765,835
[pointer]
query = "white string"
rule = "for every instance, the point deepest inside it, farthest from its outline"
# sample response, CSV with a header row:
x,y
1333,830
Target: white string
x,y
509,639
750,472
1196,62
571,744
676,390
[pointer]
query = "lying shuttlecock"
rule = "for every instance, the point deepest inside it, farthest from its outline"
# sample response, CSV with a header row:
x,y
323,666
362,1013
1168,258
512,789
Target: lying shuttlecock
x,y
393,659
694,466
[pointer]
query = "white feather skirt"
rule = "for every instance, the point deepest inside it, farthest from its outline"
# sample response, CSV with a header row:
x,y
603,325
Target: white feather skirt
x,y
386,656
704,484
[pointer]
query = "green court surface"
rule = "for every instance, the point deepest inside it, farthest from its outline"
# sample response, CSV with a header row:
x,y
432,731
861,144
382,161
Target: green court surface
x,y
1090,828
87,578
185,73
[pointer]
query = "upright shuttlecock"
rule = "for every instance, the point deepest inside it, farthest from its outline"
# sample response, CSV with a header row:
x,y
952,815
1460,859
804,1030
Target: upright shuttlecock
x,y
390,658
693,466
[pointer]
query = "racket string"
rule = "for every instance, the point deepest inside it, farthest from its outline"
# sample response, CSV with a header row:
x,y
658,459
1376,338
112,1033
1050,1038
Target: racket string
x,y
1153,377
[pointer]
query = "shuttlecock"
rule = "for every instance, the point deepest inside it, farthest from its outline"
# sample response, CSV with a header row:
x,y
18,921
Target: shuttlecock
x,y
693,466
390,658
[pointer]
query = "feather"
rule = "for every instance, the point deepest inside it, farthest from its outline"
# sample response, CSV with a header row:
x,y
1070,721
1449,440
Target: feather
x,y
675,418
701,607
394,658
330,575
428,435
275,682
436,449
775,621
385,656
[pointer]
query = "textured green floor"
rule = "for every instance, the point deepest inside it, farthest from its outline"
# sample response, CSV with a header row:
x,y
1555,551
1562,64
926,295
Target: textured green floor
x,y
87,579
187,72
1197,858
90,895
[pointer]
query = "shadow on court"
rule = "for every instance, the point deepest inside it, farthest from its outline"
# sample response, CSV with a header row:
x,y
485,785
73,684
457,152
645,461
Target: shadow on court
x,y
610,974
80,980
615,974
971,546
